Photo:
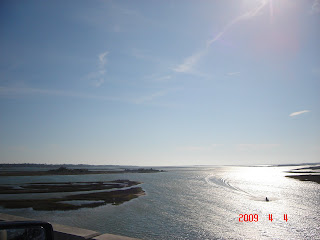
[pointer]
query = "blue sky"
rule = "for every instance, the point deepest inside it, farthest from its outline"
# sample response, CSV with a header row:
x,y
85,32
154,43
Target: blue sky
x,y
160,82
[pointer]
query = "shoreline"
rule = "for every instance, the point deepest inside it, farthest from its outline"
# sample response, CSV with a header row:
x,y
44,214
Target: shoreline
x,y
311,178
65,171
117,192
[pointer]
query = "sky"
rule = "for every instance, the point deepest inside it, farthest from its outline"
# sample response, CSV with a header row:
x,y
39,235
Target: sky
x,y
160,83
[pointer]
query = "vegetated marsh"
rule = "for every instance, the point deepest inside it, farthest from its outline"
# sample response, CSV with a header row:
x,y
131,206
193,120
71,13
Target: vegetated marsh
x,y
313,178
309,174
66,171
116,192
124,192
50,187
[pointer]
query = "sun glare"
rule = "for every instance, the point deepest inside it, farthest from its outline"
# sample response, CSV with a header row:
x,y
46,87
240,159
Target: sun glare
x,y
264,174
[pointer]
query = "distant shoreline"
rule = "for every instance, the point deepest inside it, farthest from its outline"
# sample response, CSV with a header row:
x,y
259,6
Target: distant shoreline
x,y
309,173
66,171
312,178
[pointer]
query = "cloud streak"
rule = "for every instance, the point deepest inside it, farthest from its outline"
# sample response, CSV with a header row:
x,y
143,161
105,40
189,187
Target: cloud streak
x,y
256,147
12,91
152,96
233,73
199,148
298,113
191,61
250,14
191,148
163,78
103,59
145,55
315,9
98,77
25,91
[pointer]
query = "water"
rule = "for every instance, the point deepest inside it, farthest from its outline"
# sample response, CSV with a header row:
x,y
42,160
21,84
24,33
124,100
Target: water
x,y
198,203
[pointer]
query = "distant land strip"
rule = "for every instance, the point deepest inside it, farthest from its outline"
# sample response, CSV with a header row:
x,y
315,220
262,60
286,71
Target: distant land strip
x,y
53,187
67,171
313,178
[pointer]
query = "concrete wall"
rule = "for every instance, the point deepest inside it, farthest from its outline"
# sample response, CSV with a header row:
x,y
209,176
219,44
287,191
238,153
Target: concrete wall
x,y
62,232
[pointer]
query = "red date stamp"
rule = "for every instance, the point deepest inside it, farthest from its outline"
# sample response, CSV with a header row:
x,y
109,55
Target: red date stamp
x,y
248,217
255,217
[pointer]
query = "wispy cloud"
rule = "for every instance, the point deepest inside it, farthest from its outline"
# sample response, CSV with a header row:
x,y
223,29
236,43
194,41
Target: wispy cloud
x,y
140,54
163,78
98,77
215,145
191,148
243,147
315,9
102,59
152,96
298,113
191,61
199,148
13,92
248,15
256,147
233,73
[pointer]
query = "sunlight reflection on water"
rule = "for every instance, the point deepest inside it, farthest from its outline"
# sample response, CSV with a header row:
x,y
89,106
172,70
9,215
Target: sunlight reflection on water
x,y
202,203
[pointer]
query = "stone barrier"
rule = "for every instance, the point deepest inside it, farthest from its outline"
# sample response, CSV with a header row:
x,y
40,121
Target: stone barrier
x,y
62,232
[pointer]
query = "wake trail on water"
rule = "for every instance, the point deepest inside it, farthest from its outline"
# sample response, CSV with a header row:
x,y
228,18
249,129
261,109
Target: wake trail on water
x,y
224,183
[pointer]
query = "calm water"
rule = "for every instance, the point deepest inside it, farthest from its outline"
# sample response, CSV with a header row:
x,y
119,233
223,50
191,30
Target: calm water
x,y
198,203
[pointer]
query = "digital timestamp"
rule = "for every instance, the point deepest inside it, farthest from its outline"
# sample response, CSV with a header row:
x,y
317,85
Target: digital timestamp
x,y
255,217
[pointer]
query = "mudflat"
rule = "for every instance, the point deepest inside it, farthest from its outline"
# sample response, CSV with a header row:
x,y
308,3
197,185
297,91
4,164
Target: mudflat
x,y
123,192
313,178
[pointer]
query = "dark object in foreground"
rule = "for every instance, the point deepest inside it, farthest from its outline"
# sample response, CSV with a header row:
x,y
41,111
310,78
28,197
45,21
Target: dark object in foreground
x,y
313,178
26,230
